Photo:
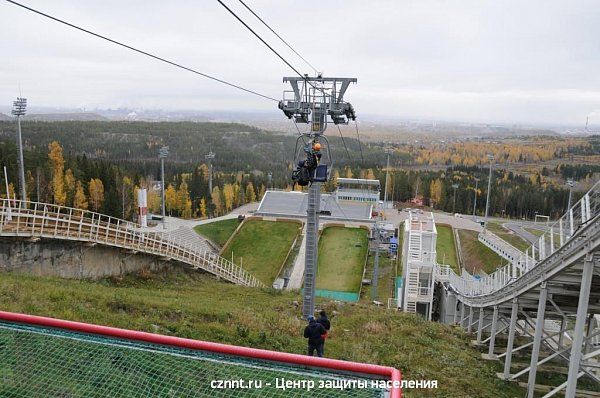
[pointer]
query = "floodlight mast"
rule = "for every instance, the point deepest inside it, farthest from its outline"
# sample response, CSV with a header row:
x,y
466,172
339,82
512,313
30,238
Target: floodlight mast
x,y
314,100
18,110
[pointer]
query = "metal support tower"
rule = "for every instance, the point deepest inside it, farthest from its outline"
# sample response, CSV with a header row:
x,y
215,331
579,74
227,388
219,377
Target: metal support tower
x,y
387,176
314,100
209,158
163,152
487,202
18,110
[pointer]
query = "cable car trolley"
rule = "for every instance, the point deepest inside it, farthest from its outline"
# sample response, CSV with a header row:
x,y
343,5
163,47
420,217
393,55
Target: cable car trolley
x,y
315,101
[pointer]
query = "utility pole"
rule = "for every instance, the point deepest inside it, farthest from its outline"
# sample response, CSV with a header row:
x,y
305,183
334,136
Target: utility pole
x,y
209,158
454,186
163,152
314,101
387,174
475,199
18,110
487,202
570,184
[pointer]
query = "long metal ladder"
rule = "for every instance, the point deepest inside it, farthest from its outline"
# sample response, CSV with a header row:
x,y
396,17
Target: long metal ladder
x,y
312,230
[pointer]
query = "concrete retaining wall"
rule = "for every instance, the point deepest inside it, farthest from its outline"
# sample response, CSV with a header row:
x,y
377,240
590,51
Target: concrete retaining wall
x,y
73,260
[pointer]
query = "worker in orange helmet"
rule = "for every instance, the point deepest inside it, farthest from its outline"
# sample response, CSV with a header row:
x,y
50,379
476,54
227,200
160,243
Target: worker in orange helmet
x,y
317,146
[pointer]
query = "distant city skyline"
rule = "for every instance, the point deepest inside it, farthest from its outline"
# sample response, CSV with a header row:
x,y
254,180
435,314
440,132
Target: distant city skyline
x,y
508,62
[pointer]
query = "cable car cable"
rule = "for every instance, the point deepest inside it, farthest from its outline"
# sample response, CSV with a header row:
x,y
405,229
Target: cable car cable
x,y
280,38
142,51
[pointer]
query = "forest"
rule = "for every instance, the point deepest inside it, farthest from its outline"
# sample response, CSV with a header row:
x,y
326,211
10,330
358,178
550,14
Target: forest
x,y
99,165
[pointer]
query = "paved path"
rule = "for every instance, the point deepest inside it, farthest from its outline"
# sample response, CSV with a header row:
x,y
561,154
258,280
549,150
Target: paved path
x,y
518,229
459,222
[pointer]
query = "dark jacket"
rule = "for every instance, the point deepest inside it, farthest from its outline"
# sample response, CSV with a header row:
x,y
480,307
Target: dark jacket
x,y
323,320
313,332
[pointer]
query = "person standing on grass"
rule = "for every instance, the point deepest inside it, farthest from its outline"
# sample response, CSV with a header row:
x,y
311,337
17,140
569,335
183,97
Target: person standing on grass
x,y
314,332
324,321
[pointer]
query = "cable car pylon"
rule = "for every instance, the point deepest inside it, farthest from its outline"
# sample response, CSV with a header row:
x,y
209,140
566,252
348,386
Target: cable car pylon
x,y
315,101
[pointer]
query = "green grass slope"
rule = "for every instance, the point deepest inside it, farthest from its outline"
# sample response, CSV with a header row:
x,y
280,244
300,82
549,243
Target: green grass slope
x,y
509,236
342,254
197,306
477,256
218,231
261,247
445,248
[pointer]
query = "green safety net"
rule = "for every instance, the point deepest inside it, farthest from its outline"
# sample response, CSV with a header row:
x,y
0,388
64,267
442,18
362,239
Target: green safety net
x,y
45,362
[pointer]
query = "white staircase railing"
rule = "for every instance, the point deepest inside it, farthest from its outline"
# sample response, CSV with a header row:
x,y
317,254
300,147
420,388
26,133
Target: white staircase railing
x,y
43,220
559,233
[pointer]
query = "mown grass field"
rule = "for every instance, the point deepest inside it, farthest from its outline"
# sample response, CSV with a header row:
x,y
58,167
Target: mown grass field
x,y
509,236
342,254
219,231
445,248
193,305
477,256
261,247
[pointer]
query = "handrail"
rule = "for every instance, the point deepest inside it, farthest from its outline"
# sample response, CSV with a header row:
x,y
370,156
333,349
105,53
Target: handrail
x,y
34,219
557,236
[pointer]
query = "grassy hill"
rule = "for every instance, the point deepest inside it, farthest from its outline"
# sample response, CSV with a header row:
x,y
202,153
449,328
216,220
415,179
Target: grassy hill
x,y
189,304
342,254
219,231
261,247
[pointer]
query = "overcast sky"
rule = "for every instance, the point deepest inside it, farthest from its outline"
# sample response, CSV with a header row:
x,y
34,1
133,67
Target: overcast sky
x,y
483,61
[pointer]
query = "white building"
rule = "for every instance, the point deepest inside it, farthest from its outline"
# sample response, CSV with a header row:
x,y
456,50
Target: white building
x,y
358,190
418,264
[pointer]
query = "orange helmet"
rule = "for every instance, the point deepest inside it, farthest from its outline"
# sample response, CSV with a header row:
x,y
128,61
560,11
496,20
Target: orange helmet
x,y
317,146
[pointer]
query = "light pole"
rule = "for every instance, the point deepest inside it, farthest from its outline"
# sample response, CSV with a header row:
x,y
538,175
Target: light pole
x,y
387,175
454,186
487,202
18,110
475,200
570,184
209,158
163,152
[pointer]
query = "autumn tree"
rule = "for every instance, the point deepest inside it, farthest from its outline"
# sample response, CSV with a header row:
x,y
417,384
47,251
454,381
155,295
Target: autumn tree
x,y
250,194
96,190
170,198
69,187
203,207
79,199
57,165
228,195
215,196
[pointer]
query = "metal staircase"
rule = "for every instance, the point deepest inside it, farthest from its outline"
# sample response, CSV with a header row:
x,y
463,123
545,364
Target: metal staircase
x,y
43,220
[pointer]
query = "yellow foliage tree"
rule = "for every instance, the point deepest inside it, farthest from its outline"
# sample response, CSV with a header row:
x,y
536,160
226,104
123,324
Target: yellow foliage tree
x,y
69,187
57,164
79,199
170,198
250,194
215,196
228,195
203,208
96,190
